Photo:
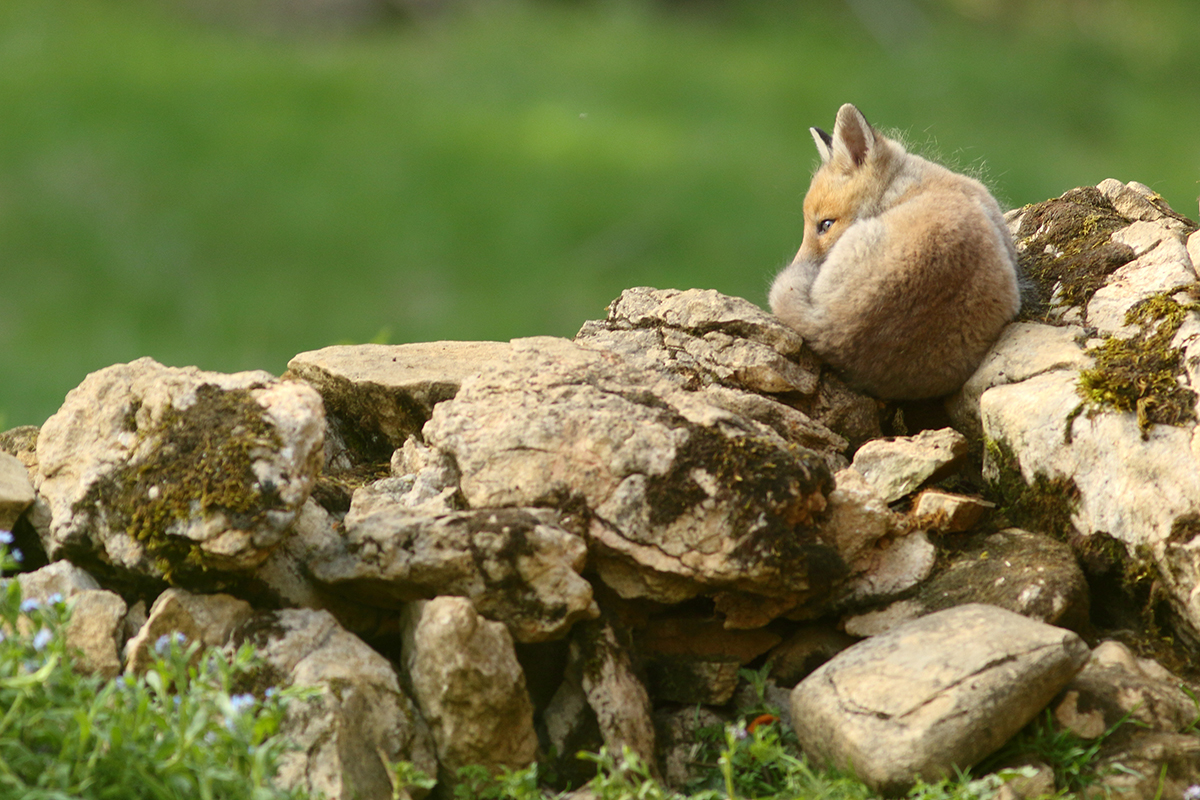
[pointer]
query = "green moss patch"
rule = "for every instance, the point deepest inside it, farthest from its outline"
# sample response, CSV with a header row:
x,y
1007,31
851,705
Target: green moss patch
x,y
1141,373
1066,251
1043,505
201,462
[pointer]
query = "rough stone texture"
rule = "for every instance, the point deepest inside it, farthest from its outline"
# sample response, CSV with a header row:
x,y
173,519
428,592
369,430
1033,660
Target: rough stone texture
x,y
16,493
209,619
61,577
518,565
154,472
469,686
359,723
378,395
97,621
896,467
944,690
287,577
613,691
677,731
948,512
740,358
1116,685
1028,573
1043,441
685,498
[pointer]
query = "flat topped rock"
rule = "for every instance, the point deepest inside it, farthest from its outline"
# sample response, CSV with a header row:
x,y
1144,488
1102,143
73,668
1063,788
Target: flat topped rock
x,y
378,395
431,370
942,691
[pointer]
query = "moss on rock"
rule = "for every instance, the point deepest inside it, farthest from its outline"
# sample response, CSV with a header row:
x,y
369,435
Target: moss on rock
x,y
199,461
1141,373
1066,251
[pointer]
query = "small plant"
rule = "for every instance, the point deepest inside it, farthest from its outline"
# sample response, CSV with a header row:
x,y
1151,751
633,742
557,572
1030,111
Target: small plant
x,y
183,730
1072,757
477,783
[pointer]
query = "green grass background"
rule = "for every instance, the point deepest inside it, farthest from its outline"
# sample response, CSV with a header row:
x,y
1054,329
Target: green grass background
x,y
210,195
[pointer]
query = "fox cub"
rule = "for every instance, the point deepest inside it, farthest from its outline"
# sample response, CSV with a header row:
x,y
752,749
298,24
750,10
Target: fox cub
x,y
907,272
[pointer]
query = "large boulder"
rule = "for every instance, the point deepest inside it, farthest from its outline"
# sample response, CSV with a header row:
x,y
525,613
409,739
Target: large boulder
x,y
1103,371
682,497
158,473
935,694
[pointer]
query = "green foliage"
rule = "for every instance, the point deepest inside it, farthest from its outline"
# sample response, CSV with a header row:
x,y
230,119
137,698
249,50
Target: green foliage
x,y
1072,757
476,783
207,195
181,731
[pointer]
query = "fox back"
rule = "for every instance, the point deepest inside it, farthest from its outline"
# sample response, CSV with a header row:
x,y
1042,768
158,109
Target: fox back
x,y
907,271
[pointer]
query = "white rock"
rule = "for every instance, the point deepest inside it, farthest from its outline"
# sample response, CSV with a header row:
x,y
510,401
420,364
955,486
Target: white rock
x,y
942,691
469,686
16,493
896,467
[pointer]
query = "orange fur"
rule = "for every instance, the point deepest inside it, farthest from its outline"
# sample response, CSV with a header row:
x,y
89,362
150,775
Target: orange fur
x,y
907,271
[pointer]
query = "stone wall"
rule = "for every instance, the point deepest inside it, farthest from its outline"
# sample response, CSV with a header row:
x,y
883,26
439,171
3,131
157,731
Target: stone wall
x,y
491,552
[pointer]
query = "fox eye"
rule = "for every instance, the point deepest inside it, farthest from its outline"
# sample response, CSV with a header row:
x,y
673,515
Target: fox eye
x,y
824,225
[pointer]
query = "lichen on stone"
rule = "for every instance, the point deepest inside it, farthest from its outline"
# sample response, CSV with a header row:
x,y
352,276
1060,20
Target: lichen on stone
x,y
198,460
1141,373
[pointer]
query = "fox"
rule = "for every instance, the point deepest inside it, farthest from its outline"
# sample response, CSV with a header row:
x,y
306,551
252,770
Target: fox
x,y
907,272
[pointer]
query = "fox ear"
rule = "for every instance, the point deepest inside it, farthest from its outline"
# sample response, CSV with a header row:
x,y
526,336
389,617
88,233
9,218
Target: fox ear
x,y
824,143
853,136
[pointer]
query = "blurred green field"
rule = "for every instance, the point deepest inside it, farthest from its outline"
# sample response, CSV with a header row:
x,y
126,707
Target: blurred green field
x,y
212,196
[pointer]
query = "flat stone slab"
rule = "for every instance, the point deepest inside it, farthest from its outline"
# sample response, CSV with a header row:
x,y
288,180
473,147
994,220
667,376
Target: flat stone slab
x,y
942,691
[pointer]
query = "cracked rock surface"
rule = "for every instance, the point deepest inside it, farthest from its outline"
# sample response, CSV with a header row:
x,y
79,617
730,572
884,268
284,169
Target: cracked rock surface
x,y
947,689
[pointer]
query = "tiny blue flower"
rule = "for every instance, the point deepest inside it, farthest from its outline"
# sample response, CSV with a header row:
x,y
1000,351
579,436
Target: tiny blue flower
x,y
271,691
32,604
6,537
162,643
55,599
241,702
17,554
41,639
1192,792
180,638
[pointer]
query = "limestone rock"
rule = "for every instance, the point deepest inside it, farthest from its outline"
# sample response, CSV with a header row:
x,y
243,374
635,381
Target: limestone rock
x,y
21,442
287,577
1027,573
360,722
154,472
707,680
61,577
896,467
944,690
16,494
1023,351
96,628
948,512
518,565
1116,685
685,498
1126,399
377,395
469,686
614,692
677,731
1151,766
209,619
740,358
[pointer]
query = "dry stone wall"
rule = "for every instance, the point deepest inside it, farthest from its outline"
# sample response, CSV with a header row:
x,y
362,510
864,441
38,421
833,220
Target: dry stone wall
x,y
490,553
